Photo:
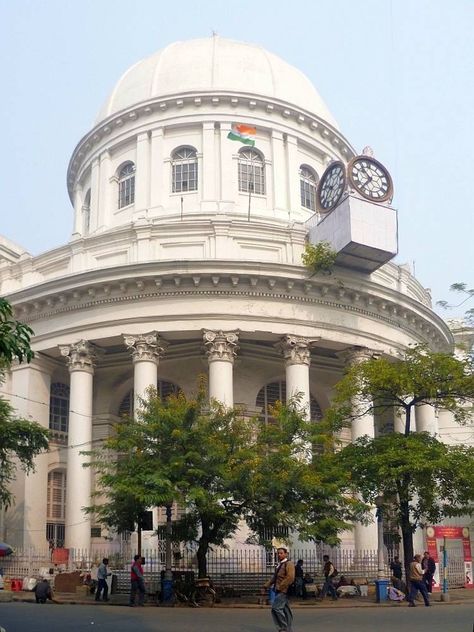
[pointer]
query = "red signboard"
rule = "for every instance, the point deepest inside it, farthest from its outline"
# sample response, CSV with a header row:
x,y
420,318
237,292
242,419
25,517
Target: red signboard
x,y
451,533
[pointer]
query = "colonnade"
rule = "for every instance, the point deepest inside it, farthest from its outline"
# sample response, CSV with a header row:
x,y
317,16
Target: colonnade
x,y
147,350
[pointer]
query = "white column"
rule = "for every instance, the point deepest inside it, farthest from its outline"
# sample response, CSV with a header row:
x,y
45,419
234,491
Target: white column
x,y
294,195
426,419
81,359
95,195
78,214
209,175
365,536
221,350
105,191
142,177
399,420
147,349
297,354
30,389
279,170
228,174
156,168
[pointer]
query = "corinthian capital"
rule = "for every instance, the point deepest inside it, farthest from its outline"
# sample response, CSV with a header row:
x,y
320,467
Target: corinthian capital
x,y
295,349
149,347
221,345
80,356
356,355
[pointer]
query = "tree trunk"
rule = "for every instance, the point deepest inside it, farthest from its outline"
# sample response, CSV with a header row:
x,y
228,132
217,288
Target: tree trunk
x,y
202,557
407,420
407,536
139,540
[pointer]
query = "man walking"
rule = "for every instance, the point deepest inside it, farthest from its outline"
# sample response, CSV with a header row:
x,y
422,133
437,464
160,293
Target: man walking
x,y
429,568
102,574
329,573
417,582
282,579
137,581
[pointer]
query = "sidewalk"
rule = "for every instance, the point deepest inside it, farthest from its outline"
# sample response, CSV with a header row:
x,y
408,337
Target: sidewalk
x,y
456,596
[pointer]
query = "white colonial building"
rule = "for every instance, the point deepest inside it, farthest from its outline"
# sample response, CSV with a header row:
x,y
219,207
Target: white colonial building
x,y
185,257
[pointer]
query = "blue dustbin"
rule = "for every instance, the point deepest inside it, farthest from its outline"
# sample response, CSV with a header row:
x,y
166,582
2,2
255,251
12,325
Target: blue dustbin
x,y
381,590
167,593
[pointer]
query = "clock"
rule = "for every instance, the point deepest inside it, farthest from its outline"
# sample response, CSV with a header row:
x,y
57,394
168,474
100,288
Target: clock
x,y
370,178
331,186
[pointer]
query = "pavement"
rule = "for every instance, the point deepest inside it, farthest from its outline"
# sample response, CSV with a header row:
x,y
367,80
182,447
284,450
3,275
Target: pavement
x,y
456,596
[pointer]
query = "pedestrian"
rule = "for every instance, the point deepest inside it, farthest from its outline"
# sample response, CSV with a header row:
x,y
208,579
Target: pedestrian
x,y
396,567
137,581
417,582
330,572
281,580
43,591
300,584
102,574
429,568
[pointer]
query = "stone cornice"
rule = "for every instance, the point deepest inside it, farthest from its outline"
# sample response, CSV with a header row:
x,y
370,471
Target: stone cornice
x,y
173,106
225,279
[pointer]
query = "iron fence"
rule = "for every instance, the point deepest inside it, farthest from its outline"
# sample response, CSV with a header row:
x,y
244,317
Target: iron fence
x,y
229,568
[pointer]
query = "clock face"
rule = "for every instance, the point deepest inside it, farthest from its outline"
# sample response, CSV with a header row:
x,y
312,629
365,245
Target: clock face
x,y
370,178
331,186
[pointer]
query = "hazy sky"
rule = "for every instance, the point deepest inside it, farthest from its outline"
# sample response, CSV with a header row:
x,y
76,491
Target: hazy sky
x,y
396,74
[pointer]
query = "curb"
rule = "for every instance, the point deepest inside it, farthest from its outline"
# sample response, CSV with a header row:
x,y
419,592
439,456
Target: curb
x,y
249,606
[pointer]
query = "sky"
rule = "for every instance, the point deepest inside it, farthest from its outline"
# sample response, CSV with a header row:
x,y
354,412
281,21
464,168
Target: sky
x,y
396,74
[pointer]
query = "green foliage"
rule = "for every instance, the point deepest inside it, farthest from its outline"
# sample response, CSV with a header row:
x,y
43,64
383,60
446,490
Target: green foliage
x,y
319,258
439,479
421,478
420,376
465,294
20,442
14,336
223,468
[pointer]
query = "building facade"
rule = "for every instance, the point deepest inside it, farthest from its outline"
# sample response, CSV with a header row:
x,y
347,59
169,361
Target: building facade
x,y
185,258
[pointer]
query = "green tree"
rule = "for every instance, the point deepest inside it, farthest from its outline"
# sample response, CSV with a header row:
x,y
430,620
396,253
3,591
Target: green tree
x,y
20,440
319,258
223,468
465,295
419,476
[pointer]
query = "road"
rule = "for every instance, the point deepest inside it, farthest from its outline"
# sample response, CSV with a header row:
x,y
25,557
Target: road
x,y
28,617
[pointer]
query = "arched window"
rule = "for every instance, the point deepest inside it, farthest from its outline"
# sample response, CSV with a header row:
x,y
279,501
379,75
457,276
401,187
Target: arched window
x,y
59,407
251,171
86,213
164,389
56,507
126,185
276,391
184,169
308,185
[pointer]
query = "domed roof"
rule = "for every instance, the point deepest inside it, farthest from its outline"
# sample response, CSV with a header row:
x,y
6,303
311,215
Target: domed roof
x,y
210,65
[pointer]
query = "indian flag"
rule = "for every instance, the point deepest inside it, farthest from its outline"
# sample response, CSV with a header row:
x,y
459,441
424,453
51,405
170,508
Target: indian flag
x,y
244,133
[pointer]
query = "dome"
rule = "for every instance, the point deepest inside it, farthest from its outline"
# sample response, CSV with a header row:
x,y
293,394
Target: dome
x,y
214,65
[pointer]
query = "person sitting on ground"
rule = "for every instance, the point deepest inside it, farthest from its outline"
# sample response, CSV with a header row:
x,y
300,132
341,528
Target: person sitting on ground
x,y
346,588
43,591
394,594
399,584
342,582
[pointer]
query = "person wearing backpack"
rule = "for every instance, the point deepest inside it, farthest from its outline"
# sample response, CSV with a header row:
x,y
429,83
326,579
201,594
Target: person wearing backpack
x,y
330,571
